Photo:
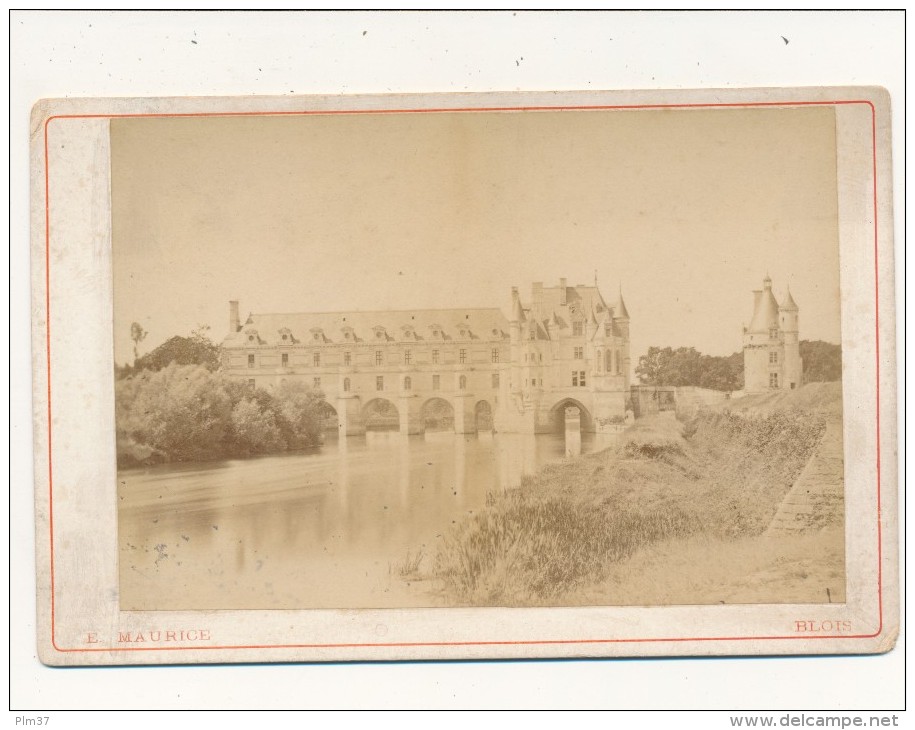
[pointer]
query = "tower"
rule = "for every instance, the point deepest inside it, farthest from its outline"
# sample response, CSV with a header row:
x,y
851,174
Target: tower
x,y
771,354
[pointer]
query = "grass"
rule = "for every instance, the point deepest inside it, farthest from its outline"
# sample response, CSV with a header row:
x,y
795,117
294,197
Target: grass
x,y
409,566
718,477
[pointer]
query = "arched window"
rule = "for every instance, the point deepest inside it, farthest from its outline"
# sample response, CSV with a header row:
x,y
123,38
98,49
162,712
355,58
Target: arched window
x,y
608,358
346,384
407,383
462,382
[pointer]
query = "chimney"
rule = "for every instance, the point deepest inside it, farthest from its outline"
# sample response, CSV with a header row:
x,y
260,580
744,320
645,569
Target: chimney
x,y
234,323
562,291
537,304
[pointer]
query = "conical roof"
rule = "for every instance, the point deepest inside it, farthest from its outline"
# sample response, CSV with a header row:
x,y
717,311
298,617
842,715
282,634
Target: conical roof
x,y
517,311
789,303
765,316
619,309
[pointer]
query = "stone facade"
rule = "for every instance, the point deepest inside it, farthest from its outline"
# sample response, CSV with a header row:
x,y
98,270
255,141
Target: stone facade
x,y
771,349
472,369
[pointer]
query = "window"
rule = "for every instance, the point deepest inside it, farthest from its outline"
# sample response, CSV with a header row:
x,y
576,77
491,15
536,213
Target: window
x,y
773,380
347,358
495,380
533,382
773,333
346,385
579,353
581,378
574,378
495,354
250,361
407,357
462,356
251,383
408,383
541,357
436,382
285,359
608,356
435,357
462,382
379,357
285,337
578,329
317,382
773,357
317,359
379,383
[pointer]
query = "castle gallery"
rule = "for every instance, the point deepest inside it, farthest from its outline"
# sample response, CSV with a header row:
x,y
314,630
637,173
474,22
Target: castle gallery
x,y
472,369
475,369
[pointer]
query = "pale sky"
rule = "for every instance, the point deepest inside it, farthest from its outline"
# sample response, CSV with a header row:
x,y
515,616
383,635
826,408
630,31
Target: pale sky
x,y
685,209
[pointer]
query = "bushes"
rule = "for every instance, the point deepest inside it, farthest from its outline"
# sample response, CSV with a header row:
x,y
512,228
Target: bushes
x,y
187,412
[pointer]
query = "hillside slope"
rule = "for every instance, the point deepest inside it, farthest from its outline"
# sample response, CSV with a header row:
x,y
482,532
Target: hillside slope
x,y
675,513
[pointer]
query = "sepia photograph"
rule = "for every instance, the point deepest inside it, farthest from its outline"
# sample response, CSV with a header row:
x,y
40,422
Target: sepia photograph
x,y
463,376
478,358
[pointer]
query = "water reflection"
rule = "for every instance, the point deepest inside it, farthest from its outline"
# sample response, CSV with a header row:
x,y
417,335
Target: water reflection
x,y
326,528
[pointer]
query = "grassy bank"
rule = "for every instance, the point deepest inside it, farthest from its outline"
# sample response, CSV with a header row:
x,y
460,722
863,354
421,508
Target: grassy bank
x,y
704,484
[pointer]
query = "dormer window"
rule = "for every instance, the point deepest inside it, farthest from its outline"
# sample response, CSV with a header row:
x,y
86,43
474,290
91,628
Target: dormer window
x,y
436,330
252,336
408,332
317,334
380,333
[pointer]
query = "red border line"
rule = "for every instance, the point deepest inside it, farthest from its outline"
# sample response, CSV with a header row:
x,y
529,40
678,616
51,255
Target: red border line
x,y
543,642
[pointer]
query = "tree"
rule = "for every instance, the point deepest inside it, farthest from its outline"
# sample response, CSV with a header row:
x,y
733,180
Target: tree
x,y
137,334
688,366
181,411
822,361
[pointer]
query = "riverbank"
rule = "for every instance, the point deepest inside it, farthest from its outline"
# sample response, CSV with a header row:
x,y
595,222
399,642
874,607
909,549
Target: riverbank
x,y
676,512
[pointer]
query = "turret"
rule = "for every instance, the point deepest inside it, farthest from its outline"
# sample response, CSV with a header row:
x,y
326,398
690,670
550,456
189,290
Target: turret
x,y
514,326
788,315
621,316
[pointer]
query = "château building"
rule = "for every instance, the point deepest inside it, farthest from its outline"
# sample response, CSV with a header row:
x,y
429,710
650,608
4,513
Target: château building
x,y
771,350
466,369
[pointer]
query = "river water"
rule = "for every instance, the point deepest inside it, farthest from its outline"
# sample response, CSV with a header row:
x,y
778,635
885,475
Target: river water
x,y
330,528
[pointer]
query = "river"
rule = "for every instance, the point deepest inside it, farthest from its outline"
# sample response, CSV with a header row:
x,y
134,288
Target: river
x,y
334,527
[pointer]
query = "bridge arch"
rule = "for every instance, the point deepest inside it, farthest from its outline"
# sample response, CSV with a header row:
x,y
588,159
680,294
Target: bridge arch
x,y
482,415
330,421
558,415
380,414
437,415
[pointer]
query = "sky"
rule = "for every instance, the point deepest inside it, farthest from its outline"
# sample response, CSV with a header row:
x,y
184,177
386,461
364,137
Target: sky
x,y
686,210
